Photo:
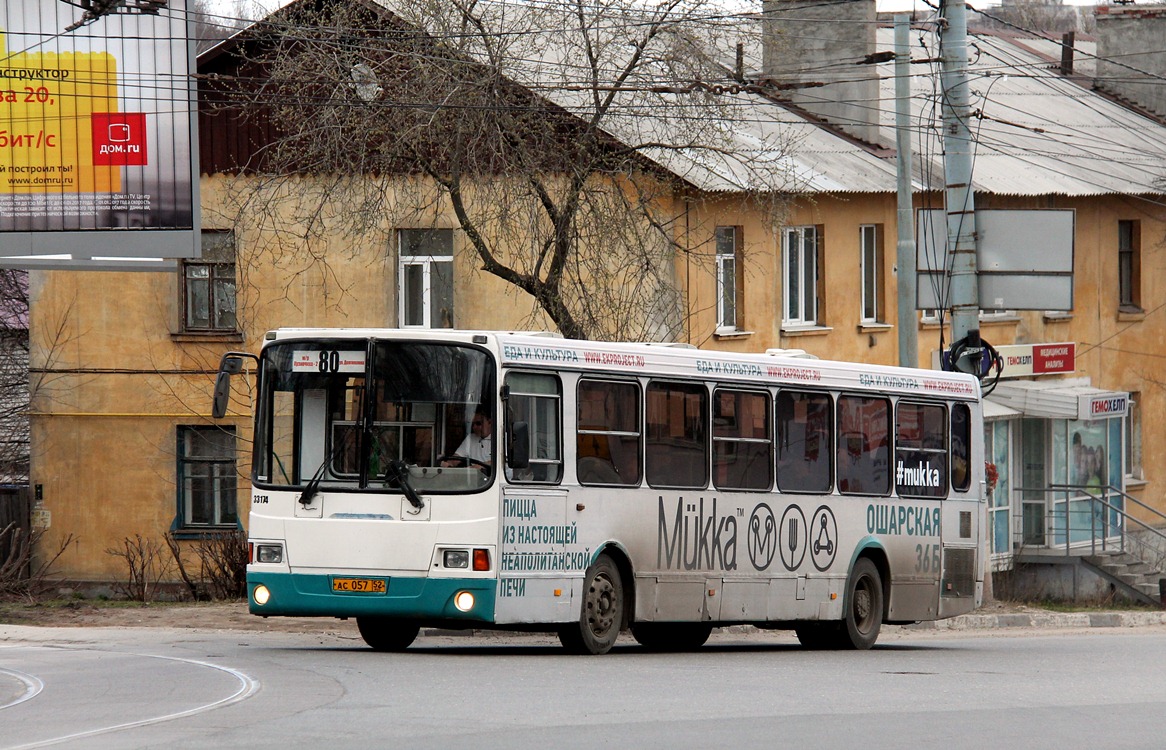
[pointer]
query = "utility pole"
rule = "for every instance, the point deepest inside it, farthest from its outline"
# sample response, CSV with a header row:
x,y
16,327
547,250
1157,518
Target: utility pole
x,y
905,255
958,194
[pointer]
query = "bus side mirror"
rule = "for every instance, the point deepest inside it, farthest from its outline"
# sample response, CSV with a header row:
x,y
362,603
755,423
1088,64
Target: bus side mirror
x,y
230,364
222,394
518,446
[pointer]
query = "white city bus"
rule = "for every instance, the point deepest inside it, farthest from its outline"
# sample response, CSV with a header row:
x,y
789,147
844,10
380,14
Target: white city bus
x,y
659,488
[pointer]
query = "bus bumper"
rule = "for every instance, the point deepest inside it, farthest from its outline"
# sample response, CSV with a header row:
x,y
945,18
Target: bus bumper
x,y
411,598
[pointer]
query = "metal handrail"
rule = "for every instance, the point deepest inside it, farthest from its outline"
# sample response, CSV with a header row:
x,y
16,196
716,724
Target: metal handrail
x,y
1089,491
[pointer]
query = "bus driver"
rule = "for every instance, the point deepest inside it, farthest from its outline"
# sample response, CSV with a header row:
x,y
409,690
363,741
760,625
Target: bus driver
x,y
478,445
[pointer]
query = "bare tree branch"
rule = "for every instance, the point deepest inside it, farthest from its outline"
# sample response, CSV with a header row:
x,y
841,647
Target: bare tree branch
x,y
542,131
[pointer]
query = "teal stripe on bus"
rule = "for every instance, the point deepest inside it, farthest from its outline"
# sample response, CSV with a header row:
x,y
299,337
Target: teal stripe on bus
x,y
303,595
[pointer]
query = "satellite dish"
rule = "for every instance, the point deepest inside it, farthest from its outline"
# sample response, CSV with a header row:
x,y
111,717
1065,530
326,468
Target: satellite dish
x,y
364,82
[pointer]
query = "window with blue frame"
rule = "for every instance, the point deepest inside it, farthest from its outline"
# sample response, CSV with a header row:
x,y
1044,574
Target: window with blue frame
x,y
1087,456
207,478
996,442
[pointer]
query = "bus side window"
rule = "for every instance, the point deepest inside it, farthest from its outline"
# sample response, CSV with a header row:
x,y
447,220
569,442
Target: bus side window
x,y
961,447
864,445
742,440
607,444
804,442
536,400
921,450
676,446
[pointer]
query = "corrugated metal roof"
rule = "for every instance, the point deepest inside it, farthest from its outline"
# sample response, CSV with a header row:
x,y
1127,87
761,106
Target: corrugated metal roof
x,y
1036,133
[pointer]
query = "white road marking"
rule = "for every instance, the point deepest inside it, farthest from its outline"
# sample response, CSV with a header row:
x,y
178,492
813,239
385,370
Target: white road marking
x,y
248,686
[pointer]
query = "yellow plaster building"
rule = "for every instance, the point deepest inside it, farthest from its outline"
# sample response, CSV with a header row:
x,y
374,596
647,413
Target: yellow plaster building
x,y
122,443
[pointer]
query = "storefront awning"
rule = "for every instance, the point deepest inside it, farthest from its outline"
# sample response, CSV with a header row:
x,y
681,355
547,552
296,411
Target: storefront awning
x,y
1060,399
993,410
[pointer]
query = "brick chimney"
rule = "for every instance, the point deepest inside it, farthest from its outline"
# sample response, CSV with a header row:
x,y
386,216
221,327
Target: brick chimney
x,y
810,41
1134,35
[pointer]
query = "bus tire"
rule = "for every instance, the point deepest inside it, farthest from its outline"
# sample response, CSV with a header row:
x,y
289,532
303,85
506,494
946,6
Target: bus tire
x,y
387,634
671,636
602,614
864,607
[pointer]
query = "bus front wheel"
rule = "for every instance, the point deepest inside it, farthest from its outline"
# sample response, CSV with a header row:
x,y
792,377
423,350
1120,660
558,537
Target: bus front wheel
x,y
387,634
602,614
864,607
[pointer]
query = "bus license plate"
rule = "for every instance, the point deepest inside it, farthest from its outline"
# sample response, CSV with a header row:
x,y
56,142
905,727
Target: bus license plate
x,y
369,585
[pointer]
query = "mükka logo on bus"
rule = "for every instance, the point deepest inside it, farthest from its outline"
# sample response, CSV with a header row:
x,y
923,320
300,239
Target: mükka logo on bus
x,y
697,540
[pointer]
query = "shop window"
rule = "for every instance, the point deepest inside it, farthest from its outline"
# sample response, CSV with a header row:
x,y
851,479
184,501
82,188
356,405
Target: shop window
x,y
996,440
1133,439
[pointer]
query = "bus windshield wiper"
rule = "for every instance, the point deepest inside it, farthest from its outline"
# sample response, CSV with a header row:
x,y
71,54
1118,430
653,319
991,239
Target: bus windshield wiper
x,y
398,471
313,485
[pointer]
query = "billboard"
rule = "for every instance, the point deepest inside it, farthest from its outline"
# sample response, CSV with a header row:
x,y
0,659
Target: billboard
x,y
1024,259
98,157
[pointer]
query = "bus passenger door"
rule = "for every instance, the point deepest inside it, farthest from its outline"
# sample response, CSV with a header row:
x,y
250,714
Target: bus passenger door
x,y
541,555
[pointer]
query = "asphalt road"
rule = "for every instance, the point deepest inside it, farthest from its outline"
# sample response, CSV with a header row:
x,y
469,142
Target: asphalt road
x,y
161,687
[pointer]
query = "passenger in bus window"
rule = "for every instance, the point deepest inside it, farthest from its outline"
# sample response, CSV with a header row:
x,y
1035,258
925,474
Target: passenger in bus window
x,y
478,445
959,463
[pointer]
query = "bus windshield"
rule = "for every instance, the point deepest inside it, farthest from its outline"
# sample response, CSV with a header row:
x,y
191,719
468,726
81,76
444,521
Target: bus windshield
x,y
349,414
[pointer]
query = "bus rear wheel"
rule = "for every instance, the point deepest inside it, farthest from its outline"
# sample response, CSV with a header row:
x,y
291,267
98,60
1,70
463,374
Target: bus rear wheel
x,y
671,636
603,611
864,607
387,634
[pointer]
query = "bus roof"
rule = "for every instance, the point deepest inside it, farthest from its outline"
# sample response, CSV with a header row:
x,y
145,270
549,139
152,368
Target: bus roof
x,y
774,367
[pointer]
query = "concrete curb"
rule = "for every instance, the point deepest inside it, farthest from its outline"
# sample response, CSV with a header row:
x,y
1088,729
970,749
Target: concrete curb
x,y
1045,620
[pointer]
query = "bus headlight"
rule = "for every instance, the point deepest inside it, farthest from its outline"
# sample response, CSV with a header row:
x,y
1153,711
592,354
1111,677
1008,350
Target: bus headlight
x,y
261,594
269,553
456,558
464,601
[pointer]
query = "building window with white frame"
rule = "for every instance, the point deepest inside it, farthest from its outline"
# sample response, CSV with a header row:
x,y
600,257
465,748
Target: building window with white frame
x,y
799,249
871,261
1133,439
425,279
207,478
208,286
729,278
